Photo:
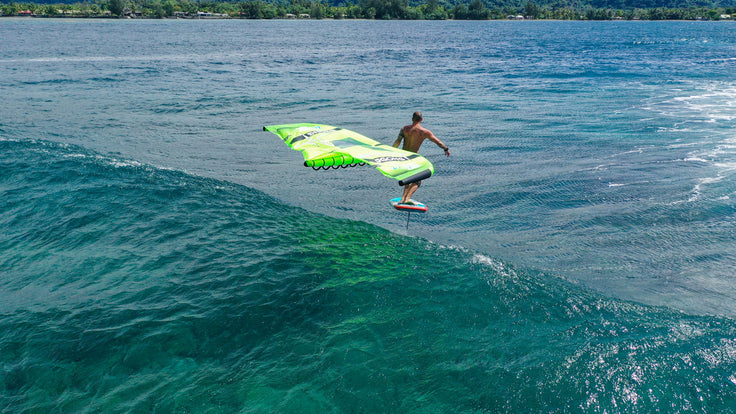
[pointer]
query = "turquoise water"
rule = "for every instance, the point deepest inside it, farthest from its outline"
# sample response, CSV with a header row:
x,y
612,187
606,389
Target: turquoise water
x,y
160,253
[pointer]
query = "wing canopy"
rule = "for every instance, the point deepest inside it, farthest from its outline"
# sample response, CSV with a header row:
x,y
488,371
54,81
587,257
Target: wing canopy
x,y
325,146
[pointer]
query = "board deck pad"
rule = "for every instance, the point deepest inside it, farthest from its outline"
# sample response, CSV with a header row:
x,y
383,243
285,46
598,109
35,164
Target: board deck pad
x,y
412,206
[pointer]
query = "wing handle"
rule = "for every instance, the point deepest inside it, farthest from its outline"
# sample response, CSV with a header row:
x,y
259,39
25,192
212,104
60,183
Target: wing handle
x,y
416,177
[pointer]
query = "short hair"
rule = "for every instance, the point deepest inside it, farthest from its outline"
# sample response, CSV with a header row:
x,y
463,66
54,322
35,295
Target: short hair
x,y
416,117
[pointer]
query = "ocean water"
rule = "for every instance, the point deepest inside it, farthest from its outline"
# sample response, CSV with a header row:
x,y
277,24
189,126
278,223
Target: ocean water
x,y
159,252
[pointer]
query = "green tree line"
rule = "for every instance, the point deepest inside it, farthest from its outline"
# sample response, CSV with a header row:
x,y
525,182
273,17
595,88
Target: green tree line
x,y
363,9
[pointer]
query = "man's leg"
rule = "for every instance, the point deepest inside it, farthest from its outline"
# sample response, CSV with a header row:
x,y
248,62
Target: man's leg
x,y
409,191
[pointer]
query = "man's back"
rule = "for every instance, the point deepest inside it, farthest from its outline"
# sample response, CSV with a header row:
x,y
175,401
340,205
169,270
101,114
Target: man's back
x,y
414,136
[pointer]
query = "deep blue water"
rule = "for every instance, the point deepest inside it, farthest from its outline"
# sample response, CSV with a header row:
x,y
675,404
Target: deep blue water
x,y
160,252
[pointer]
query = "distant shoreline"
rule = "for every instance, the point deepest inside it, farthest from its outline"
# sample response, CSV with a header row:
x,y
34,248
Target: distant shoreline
x,y
103,17
366,10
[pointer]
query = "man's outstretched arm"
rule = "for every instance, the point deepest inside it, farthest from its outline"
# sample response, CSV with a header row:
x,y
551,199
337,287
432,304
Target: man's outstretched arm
x,y
439,143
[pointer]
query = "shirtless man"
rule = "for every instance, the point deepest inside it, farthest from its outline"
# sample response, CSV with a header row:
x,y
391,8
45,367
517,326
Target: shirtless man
x,y
413,135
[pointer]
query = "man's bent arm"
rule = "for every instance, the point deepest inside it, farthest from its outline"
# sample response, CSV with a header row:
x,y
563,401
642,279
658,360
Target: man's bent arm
x,y
398,140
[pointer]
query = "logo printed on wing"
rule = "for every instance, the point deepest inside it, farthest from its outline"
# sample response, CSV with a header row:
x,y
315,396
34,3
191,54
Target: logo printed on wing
x,y
389,159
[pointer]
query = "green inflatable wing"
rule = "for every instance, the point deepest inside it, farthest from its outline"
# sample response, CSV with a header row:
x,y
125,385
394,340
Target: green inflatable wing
x,y
325,146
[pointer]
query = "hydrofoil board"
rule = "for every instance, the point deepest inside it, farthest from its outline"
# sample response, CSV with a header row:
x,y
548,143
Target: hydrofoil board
x,y
411,206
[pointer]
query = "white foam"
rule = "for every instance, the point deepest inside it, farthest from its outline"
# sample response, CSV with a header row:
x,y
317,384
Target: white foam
x,y
118,163
710,103
482,259
695,159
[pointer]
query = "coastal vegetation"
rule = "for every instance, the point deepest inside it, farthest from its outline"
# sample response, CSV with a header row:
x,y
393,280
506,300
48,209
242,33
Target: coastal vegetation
x,y
381,9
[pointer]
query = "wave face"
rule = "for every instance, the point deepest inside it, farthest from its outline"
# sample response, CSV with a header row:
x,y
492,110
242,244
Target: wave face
x,y
128,288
